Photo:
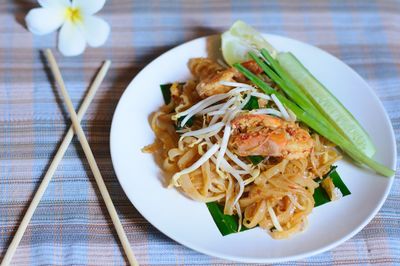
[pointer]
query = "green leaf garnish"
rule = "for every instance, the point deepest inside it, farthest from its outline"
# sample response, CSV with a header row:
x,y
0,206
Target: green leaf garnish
x,y
255,159
227,224
251,104
166,92
189,123
320,195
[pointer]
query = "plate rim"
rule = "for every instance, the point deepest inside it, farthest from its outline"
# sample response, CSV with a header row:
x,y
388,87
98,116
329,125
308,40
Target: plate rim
x,y
266,260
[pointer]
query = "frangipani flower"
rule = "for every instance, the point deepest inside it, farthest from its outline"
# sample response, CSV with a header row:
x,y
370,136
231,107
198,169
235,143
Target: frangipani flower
x,y
76,19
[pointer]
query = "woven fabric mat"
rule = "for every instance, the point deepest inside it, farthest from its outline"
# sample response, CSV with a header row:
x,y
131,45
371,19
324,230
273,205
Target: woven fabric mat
x,y
71,225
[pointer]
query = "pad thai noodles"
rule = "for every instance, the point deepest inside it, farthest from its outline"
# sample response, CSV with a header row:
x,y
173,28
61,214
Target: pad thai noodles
x,y
221,139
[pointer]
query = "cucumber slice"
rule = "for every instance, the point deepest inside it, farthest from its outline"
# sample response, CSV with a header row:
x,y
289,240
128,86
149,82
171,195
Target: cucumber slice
x,y
239,40
328,105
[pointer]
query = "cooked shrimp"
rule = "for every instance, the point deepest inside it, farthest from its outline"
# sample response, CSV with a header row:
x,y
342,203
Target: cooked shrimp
x,y
253,67
212,86
202,68
209,75
257,134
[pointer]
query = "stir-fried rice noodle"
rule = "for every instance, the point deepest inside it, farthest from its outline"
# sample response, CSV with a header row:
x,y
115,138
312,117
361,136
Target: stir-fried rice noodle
x,y
276,194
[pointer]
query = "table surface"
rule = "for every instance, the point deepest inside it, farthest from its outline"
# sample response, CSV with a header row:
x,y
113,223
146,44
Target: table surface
x,y
71,225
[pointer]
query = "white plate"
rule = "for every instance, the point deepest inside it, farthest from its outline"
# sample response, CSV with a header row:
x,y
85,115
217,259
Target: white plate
x,y
189,222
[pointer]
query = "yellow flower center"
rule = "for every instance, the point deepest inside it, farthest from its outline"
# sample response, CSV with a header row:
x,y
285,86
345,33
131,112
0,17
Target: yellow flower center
x,y
73,14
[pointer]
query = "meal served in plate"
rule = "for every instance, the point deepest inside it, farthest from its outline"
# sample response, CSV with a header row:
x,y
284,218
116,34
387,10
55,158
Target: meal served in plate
x,y
258,138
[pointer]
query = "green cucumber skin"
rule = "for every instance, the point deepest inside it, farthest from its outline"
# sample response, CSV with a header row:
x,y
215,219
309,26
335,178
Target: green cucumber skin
x,y
289,62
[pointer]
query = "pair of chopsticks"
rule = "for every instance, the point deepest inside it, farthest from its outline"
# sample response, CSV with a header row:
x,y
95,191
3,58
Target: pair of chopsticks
x,y
76,127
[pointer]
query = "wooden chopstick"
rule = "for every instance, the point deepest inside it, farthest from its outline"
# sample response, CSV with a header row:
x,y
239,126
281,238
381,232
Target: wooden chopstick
x,y
53,166
92,162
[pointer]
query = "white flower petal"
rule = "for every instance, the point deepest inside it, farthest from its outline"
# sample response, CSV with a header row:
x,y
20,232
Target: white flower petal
x,y
54,3
96,30
89,7
41,21
71,40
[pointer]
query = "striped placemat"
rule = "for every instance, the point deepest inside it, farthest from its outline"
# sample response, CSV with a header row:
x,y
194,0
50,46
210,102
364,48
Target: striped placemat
x,y
71,226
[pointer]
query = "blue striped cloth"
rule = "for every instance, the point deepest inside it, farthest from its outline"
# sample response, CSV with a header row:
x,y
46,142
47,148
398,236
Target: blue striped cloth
x,y
71,225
